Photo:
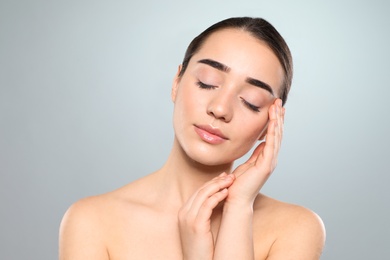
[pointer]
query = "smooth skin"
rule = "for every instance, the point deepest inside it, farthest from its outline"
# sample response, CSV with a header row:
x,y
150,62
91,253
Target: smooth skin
x,y
196,206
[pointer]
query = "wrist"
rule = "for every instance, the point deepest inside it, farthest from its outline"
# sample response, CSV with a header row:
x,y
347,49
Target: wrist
x,y
236,206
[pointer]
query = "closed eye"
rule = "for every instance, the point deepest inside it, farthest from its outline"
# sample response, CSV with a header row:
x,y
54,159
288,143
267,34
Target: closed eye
x,y
205,86
250,106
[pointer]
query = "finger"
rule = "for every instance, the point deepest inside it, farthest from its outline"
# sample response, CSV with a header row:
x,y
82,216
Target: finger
x,y
189,202
280,127
256,153
280,122
249,163
207,191
270,146
275,134
278,111
206,210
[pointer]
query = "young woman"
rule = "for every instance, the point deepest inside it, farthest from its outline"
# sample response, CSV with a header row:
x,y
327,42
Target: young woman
x,y
228,93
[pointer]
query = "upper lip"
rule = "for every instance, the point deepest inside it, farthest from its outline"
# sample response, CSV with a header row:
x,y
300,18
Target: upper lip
x,y
212,130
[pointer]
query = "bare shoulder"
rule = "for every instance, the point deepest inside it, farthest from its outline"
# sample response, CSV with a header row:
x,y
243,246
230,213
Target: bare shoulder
x,y
296,232
86,228
81,231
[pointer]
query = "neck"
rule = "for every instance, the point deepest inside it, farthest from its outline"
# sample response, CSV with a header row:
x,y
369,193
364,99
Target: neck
x,y
181,176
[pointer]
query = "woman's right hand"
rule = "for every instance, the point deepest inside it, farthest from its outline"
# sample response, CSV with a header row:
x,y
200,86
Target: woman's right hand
x,y
195,218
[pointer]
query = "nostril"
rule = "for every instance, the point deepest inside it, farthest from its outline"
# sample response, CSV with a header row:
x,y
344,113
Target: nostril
x,y
219,111
216,116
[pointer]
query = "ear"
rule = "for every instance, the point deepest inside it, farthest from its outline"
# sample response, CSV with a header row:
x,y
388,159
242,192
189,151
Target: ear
x,y
175,84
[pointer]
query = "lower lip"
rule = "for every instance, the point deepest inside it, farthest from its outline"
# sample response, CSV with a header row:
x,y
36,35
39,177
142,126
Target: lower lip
x,y
209,137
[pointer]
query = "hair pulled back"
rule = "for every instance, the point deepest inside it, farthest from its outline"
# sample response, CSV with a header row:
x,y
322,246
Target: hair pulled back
x,y
258,28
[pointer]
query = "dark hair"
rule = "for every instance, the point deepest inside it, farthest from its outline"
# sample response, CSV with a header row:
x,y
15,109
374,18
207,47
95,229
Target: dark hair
x,y
260,29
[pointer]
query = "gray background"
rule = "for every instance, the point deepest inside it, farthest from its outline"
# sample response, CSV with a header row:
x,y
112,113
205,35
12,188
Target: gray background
x,y
85,108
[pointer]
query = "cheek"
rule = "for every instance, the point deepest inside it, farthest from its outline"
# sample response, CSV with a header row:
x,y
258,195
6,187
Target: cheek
x,y
252,137
252,131
254,123
187,106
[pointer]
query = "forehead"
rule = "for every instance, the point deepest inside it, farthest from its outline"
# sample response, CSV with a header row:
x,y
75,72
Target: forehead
x,y
244,54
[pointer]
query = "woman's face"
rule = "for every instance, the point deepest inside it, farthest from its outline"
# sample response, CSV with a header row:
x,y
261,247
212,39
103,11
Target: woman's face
x,y
222,99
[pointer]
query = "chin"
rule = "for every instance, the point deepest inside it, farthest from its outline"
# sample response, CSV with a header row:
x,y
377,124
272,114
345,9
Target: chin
x,y
212,158
211,162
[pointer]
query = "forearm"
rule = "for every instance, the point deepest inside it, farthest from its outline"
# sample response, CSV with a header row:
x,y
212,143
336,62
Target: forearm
x,y
235,236
194,218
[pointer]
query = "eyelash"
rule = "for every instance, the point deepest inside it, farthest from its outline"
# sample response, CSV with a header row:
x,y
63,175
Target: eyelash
x,y
250,106
205,86
246,103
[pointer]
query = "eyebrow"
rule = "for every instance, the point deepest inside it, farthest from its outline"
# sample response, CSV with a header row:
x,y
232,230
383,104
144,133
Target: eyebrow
x,y
260,84
222,67
215,64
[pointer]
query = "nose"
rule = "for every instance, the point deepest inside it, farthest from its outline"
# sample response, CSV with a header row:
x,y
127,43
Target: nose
x,y
221,107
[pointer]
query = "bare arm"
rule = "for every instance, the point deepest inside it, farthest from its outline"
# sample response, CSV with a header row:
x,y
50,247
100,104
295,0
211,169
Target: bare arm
x,y
235,238
194,219
303,236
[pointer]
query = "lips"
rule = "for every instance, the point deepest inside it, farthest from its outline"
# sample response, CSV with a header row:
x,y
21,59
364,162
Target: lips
x,y
209,134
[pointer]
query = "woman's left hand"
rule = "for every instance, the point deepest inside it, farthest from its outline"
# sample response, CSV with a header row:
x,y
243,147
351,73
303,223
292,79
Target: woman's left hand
x,y
251,175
